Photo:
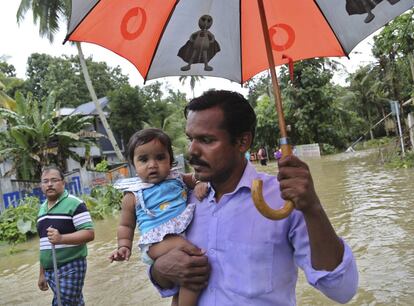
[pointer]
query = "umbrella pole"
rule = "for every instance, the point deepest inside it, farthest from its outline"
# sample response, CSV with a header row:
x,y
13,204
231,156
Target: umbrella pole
x,y
257,192
284,143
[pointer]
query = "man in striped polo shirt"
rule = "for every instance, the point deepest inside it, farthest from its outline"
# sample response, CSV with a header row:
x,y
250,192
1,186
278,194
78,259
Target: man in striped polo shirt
x,y
65,222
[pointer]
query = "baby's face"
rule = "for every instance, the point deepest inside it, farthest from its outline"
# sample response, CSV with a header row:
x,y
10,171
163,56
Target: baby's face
x,y
152,161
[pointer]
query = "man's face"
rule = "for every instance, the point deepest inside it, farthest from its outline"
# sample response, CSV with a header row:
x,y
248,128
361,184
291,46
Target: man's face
x,y
211,152
53,185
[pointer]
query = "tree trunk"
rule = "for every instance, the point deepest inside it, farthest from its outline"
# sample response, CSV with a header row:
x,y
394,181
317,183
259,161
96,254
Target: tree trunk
x,y
371,132
411,61
97,105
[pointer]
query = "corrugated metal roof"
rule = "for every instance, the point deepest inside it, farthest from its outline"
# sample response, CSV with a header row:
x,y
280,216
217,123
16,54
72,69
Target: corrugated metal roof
x,y
89,108
66,111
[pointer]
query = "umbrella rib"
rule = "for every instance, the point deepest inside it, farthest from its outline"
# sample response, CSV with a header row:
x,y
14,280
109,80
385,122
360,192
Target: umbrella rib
x,y
75,28
159,40
332,30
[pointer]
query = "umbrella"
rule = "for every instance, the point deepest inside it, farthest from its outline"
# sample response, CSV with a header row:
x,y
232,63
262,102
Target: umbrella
x,y
232,39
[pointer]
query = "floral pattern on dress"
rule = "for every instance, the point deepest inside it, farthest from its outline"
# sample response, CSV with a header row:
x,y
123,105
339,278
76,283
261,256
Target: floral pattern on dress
x,y
175,226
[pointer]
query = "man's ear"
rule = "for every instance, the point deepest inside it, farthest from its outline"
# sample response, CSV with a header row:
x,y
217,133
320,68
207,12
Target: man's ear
x,y
245,141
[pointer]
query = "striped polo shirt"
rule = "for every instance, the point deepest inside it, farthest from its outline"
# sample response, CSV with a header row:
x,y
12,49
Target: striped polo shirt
x,y
68,215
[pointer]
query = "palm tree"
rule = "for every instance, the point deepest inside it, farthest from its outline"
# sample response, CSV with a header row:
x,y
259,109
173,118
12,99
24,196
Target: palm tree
x,y
5,100
367,92
35,136
48,13
193,80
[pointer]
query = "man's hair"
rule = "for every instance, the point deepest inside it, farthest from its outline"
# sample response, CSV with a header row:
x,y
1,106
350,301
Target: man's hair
x,y
239,116
53,167
146,135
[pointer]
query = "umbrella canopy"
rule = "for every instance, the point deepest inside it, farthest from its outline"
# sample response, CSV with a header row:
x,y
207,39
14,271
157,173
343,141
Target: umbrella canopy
x,y
232,39
224,38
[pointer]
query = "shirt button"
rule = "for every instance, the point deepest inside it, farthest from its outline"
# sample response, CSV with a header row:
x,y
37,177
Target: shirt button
x,y
212,252
214,214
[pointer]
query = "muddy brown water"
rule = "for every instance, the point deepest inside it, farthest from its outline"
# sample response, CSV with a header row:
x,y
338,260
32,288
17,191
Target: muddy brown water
x,y
370,206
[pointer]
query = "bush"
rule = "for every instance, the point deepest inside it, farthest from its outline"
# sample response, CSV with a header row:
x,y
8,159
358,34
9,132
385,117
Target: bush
x,y
18,223
374,143
102,166
103,200
400,162
327,148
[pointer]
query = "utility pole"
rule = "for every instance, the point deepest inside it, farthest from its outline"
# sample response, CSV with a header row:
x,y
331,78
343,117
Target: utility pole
x,y
395,109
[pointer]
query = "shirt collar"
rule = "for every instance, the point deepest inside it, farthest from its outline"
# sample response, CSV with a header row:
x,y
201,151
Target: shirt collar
x,y
249,174
64,195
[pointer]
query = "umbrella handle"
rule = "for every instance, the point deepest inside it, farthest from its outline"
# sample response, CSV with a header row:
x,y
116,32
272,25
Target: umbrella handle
x,y
259,201
263,207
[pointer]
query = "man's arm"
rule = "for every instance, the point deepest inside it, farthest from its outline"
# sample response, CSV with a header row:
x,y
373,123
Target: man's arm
x,y
82,222
78,237
42,283
332,268
296,184
187,267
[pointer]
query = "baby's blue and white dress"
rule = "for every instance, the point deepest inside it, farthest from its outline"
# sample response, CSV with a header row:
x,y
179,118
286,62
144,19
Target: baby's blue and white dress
x,y
161,209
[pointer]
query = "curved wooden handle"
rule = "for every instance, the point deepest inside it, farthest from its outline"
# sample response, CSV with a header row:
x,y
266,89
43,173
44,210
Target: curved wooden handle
x,y
263,208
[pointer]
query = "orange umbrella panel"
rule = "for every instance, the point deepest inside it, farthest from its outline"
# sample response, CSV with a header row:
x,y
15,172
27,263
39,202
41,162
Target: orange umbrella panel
x,y
224,38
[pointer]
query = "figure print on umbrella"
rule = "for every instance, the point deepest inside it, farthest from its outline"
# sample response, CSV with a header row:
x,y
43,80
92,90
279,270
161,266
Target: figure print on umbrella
x,y
364,6
201,47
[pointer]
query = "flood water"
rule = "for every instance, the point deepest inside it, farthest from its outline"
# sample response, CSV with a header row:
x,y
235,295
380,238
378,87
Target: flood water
x,y
370,206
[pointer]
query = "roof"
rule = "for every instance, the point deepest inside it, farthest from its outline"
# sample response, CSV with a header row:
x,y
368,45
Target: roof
x,y
89,108
66,111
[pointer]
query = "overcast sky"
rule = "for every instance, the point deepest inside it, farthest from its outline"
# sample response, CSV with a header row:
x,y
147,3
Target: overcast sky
x,y
17,43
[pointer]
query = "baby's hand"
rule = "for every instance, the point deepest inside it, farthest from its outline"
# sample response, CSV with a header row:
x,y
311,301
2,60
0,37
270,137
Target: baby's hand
x,y
201,190
121,254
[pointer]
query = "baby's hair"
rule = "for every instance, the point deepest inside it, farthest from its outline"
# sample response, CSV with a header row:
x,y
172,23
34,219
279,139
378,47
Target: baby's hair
x,y
146,135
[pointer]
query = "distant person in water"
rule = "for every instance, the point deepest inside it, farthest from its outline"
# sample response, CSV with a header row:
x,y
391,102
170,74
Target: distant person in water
x,y
63,221
247,155
262,155
277,154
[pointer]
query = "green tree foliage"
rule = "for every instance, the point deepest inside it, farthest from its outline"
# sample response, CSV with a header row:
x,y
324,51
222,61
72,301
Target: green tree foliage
x,y
312,106
135,108
193,81
175,123
7,70
367,95
166,114
103,200
63,76
36,137
309,103
18,223
394,47
9,84
127,110
47,14
267,130
257,86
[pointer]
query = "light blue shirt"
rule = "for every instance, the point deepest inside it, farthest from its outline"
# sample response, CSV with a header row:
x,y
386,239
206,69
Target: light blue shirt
x,y
254,261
